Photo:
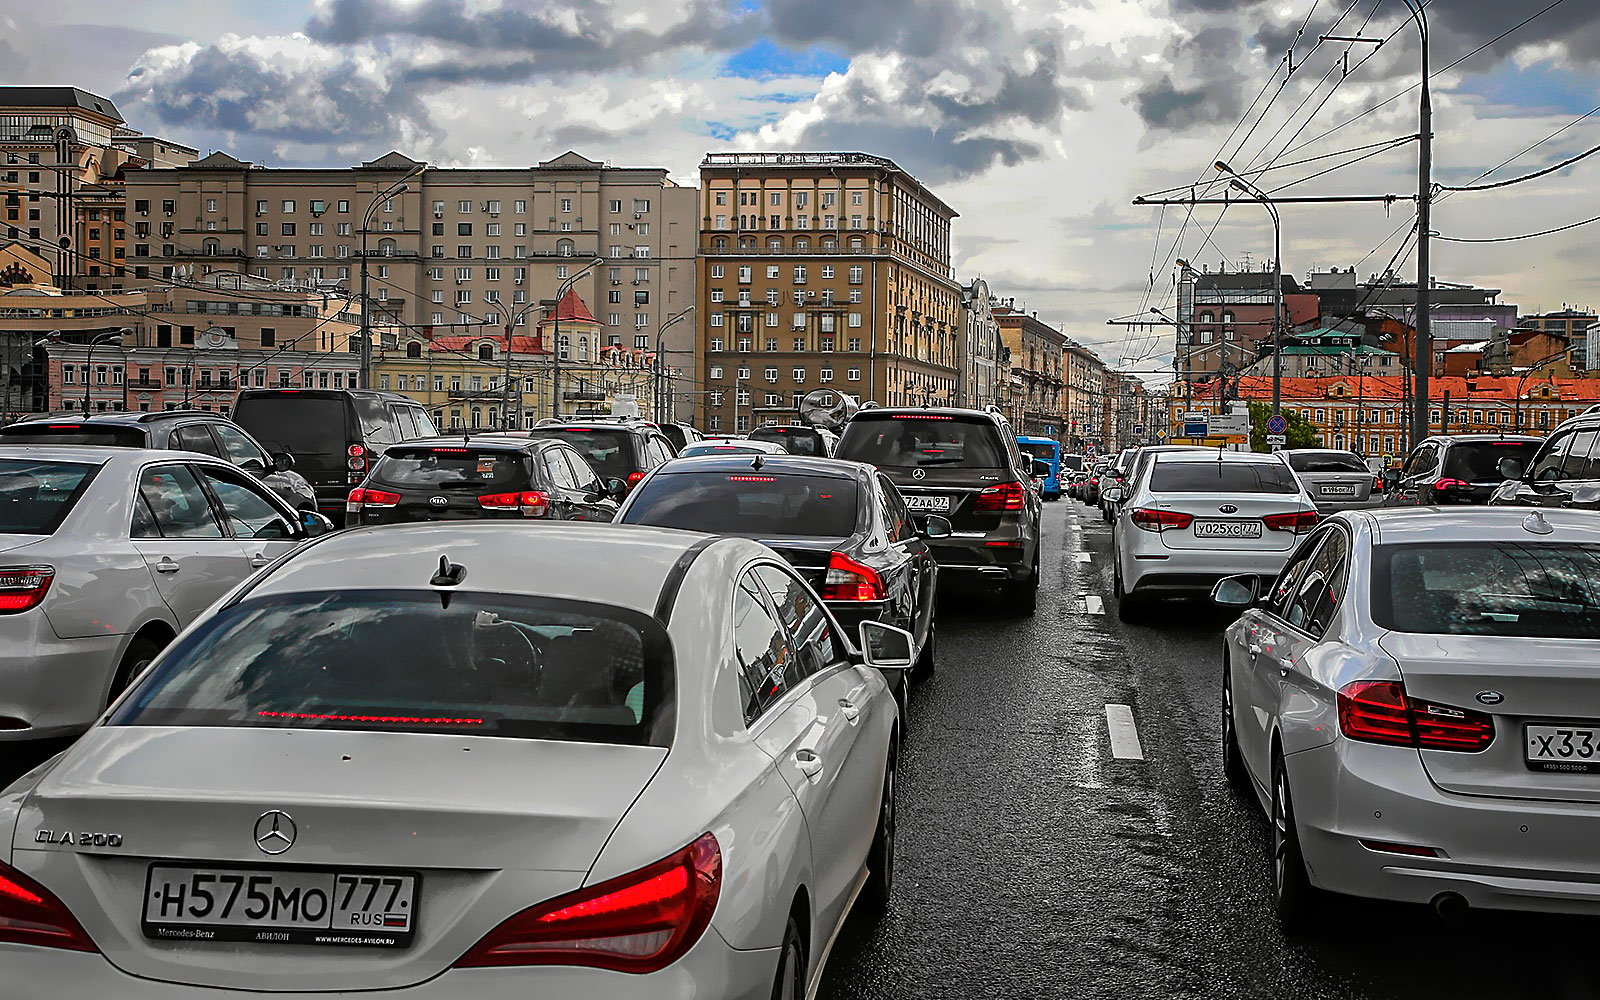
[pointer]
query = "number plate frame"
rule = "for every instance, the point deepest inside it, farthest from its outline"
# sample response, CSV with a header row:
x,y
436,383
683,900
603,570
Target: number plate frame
x,y
923,503
1247,529
1533,738
328,878
1340,491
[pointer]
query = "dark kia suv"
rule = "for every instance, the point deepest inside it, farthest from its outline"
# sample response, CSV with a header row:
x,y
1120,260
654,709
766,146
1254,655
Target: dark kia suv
x,y
964,465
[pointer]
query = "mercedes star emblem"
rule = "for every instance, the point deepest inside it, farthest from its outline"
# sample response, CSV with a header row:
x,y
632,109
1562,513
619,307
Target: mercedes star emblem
x,y
275,832
919,473
439,501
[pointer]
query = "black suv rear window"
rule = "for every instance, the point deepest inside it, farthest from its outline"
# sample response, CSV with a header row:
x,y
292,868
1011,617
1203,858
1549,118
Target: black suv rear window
x,y
453,469
747,503
610,452
98,434
1326,462
35,497
795,440
1222,477
401,661
1488,588
926,441
1479,461
302,425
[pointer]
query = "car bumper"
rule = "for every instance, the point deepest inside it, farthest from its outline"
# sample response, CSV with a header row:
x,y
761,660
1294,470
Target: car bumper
x,y
49,686
1326,507
1159,570
1511,854
996,557
710,970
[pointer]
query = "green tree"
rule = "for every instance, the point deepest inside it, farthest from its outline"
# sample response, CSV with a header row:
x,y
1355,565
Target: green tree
x,y
1302,432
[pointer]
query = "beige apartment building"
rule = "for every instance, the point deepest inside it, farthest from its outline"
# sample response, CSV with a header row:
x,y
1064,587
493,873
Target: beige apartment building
x,y
64,157
456,253
1038,360
822,270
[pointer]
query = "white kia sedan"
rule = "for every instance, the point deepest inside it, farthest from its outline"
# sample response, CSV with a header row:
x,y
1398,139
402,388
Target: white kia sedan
x,y
1416,704
1194,517
470,760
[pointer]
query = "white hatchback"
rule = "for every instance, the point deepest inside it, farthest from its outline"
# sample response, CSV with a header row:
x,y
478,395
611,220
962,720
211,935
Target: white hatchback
x,y
1194,517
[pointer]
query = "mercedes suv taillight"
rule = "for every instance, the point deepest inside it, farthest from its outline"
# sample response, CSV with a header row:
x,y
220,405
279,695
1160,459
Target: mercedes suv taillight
x,y
1000,499
640,922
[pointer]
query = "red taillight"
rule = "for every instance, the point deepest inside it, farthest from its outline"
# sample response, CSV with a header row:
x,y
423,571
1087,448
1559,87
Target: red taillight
x,y
1377,484
1299,522
29,914
358,457
1151,519
1381,712
848,580
23,587
1452,484
355,451
639,923
634,479
1410,850
752,479
999,499
531,502
363,498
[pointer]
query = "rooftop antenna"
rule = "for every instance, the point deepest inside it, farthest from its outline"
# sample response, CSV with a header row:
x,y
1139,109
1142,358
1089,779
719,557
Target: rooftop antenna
x,y
450,575
756,465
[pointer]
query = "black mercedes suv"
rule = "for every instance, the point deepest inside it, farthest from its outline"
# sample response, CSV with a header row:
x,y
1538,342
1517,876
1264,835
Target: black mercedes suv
x,y
964,465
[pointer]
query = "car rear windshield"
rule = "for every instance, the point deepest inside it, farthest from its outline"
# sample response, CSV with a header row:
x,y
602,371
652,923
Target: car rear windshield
x,y
750,503
1326,462
1072,463
404,661
102,434
607,450
795,440
1222,477
1479,461
302,425
453,469
721,448
1488,588
926,441
35,497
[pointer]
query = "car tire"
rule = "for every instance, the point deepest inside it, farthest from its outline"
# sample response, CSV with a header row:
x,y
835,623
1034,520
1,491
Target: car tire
x,y
1022,596
878,894
1233,770
140,652
790,982
1295,901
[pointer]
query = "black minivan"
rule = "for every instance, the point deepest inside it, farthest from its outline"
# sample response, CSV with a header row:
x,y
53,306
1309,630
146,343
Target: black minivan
x,y
335,435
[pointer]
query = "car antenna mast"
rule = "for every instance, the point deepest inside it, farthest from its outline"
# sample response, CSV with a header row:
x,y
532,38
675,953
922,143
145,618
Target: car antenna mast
x,y
756,465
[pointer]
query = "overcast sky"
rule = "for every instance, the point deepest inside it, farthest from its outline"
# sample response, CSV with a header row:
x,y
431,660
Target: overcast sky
x,y
1039,121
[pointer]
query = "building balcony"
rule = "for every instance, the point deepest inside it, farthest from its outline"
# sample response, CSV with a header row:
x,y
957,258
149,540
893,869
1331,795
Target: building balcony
x,y
202,252
583,396
483,393
144,383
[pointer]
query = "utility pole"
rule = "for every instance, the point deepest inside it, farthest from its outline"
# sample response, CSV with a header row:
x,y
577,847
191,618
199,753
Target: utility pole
x,y
1240,184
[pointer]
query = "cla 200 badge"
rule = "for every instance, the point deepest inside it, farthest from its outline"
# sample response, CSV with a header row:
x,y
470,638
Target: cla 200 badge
x,y
78,839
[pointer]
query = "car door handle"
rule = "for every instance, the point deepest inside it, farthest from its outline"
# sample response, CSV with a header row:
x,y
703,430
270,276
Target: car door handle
x,y
809,763
850,712
166,565
259,560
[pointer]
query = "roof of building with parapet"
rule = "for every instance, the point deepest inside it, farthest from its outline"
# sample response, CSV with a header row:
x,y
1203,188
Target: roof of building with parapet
x,y
741,162
58,97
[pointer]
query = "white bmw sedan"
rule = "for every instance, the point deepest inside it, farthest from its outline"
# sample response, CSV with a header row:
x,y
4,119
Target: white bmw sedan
x,y
1415,702
470,760
1194,517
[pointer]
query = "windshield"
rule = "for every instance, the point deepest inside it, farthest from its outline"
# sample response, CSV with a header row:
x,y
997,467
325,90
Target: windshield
x,y
1479,461
305,426
35,497
1222,477
795,440
747,504
722,448
453,469
1072,463
1488,588
116,437
606,450
922,441
1325,461
1042,451
401,661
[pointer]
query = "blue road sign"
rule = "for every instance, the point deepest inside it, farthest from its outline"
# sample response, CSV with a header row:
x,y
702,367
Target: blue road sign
x,y
1276,424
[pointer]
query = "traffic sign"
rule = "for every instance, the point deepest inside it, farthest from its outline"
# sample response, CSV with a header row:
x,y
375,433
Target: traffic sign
x,y
1278,439
1276,424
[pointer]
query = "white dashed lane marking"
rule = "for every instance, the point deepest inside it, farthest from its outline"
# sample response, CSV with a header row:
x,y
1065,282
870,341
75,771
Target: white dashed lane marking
x,y
1124,734
1084,557
1093,605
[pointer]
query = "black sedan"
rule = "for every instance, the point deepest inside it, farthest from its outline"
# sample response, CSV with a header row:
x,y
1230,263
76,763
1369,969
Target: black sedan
x,y
842,525
486,477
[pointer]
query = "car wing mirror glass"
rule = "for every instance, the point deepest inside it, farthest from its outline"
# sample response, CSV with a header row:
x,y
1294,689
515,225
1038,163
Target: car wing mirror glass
x,y
616,489
1111,494
886,647
937,526
282,461
1236,592
314,524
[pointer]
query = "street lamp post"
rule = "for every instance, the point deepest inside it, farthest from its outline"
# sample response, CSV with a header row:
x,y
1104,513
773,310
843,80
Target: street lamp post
x,y
93,342
397,188
1239,183
1423,353
659,381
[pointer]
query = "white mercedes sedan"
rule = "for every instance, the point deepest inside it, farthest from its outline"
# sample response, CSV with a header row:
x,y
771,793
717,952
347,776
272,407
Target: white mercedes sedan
x,y
470,760
1416,704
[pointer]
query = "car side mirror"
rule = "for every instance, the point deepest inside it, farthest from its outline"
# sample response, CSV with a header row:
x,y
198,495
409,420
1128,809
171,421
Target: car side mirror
x,y
282,461
314,524
616,489
1040,470
937,526
1238,592
1111,494
886,647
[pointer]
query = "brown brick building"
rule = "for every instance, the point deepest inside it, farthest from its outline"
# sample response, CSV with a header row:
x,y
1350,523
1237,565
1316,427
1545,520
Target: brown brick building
x,y
821,270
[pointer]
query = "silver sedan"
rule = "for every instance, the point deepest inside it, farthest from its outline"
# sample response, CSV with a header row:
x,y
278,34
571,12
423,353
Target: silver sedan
x,y
1415,704
471,760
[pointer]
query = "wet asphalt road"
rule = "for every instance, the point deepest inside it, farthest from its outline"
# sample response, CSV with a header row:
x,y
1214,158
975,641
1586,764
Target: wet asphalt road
x,y
1032,864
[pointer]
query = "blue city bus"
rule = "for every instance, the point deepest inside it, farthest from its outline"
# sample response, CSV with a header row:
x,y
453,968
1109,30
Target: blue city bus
x,y
1048,451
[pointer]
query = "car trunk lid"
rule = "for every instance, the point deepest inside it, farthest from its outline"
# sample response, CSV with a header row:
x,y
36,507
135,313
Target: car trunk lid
x,y
1229,521
1518,682
1338,487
